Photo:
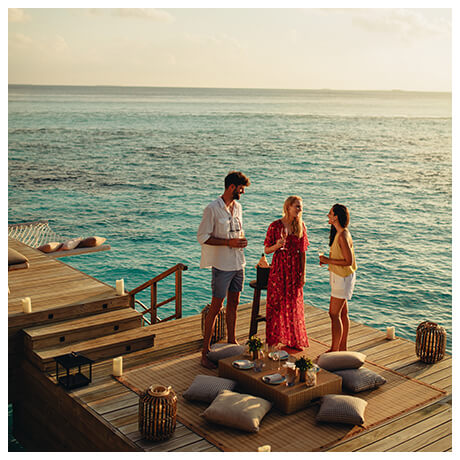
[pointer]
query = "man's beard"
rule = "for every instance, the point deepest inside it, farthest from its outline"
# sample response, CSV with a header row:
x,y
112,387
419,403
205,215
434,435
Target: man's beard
x,y
236,196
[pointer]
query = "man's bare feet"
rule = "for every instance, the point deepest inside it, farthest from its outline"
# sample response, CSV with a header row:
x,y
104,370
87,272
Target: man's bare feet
x,y
205,362
235,342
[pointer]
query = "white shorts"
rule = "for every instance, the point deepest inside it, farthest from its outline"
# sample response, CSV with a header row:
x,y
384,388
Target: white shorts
x,y
342,288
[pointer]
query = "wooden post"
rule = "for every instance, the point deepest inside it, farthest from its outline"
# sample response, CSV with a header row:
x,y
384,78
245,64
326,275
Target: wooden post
x,y
179,293
153,303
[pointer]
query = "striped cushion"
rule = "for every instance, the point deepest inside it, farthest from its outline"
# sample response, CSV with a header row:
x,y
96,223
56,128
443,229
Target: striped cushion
x,y
356,380
335,360
342,409
206,387
224,350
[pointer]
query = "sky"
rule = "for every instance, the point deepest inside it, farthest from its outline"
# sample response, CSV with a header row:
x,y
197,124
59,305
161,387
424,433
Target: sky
x,y
292,48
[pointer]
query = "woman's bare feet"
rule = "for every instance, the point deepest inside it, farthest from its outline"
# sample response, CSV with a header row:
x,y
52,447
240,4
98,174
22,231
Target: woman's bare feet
x,y
205,362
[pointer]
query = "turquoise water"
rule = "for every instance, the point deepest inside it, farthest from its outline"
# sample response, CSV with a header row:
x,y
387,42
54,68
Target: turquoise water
x,y
138,166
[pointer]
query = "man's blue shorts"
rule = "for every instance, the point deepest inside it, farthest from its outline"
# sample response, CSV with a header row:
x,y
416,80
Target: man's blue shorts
x,y
223,281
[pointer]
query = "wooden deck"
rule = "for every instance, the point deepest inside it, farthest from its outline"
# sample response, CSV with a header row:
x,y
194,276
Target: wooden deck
x,y
103,415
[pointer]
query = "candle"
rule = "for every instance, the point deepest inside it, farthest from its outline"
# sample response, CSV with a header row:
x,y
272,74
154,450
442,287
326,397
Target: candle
x,y
391,333
117,366
266,448
120,285
27,305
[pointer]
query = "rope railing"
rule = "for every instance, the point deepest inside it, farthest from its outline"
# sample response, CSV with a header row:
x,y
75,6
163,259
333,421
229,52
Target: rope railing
x,y
154,304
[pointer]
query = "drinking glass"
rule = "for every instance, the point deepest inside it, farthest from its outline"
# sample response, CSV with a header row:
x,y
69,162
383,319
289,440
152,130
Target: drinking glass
x,y
284,234
320,253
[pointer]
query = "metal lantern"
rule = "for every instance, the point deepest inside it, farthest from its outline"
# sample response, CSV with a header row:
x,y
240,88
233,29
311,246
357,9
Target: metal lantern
x,y
73,364
430,344
157,413
219,325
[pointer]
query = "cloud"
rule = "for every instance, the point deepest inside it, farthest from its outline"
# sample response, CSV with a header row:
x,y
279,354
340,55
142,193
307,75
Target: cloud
x,y
18,15
150,14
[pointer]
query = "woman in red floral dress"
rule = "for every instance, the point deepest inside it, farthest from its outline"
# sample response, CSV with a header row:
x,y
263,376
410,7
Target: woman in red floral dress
x,y
287,239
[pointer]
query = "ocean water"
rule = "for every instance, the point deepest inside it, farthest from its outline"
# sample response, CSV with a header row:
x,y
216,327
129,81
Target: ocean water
x,y
138,166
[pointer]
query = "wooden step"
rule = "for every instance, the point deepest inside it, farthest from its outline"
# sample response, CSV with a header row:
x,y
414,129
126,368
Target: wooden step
x,y
80,329
97,349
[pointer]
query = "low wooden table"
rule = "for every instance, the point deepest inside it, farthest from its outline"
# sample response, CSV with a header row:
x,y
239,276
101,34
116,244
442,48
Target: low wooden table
x,y
286,399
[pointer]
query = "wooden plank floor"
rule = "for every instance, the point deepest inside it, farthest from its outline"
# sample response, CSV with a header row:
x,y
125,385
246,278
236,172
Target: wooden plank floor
x,y
425,429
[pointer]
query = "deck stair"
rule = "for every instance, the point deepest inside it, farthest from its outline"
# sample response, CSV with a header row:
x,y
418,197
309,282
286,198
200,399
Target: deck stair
x,y
96,348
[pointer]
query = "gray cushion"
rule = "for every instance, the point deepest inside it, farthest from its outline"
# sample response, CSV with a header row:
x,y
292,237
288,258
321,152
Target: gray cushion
x,y
206,387
236,410
342,409
224,350
336,360
356,380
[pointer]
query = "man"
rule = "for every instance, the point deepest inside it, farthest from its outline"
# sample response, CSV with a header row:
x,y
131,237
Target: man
x,y
221,237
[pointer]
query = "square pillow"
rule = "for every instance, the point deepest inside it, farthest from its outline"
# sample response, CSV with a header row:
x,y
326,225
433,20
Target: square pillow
x,y
91,242
236,410
356,380
336,360
342,409
224,350
206,387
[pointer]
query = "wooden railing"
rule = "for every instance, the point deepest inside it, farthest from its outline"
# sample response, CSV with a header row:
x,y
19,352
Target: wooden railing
x,y
154,305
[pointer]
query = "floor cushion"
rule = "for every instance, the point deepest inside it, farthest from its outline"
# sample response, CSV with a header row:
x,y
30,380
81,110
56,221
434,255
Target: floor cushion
x,y
342,409
336,360
224,350
237,410
356,380
206,388
16,260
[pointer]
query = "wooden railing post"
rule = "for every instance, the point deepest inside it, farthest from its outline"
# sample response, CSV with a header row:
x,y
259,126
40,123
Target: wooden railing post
x,y
153,303
179,294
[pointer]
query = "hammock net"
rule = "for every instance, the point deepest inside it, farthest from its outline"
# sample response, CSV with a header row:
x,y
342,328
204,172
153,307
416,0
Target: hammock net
x,y
34,234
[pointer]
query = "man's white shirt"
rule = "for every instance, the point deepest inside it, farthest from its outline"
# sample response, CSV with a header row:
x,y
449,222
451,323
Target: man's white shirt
x,y
218,222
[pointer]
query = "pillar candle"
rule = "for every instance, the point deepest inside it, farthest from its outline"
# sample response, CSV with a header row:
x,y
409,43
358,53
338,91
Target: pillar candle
x,y
27,305
117,366
266,448
391,333
120,285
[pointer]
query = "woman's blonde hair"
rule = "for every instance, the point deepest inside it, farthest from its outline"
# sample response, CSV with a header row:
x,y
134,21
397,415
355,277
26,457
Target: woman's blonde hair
x,y
297,224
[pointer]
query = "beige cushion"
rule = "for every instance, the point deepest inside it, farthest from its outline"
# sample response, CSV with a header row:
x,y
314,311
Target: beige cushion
x,y
342,409
236,410
224,350
335,360
206,387
50,247
91,242
70,244
356,380
15,257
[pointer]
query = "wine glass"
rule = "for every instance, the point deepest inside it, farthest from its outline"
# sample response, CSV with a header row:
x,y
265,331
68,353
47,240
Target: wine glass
x,y
320,253
284,234
277,355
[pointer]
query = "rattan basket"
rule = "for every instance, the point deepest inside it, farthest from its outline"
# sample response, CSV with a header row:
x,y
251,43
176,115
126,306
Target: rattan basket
x,y
219,325
157,413
430,343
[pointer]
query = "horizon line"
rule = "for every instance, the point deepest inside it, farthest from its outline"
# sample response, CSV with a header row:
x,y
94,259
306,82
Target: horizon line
x,y
222,87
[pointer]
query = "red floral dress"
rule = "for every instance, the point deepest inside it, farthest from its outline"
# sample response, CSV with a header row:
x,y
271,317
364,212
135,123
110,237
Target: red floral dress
x,y
285,310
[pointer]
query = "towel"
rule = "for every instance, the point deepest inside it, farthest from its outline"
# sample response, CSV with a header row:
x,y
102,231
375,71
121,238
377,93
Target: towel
x,y
242,363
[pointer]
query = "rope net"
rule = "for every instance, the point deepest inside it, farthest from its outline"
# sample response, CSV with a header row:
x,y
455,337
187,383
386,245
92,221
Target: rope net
x,y
34,234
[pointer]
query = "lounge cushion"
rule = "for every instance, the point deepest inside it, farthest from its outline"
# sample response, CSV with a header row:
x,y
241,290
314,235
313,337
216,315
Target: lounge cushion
x,y
224,350
356,380
206,388
15,257
336,360
91,242
342,409
50,247
70,244
241,411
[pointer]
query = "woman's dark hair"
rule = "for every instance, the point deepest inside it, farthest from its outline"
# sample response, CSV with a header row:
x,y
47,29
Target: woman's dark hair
x,y
343,215
236,178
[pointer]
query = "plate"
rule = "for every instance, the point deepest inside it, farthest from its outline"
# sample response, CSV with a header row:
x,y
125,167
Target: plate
x,y
243,364
273,382
283,355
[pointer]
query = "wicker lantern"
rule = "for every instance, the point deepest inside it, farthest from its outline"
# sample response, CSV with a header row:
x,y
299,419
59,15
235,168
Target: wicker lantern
x,y
430,344
157,413
219,325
